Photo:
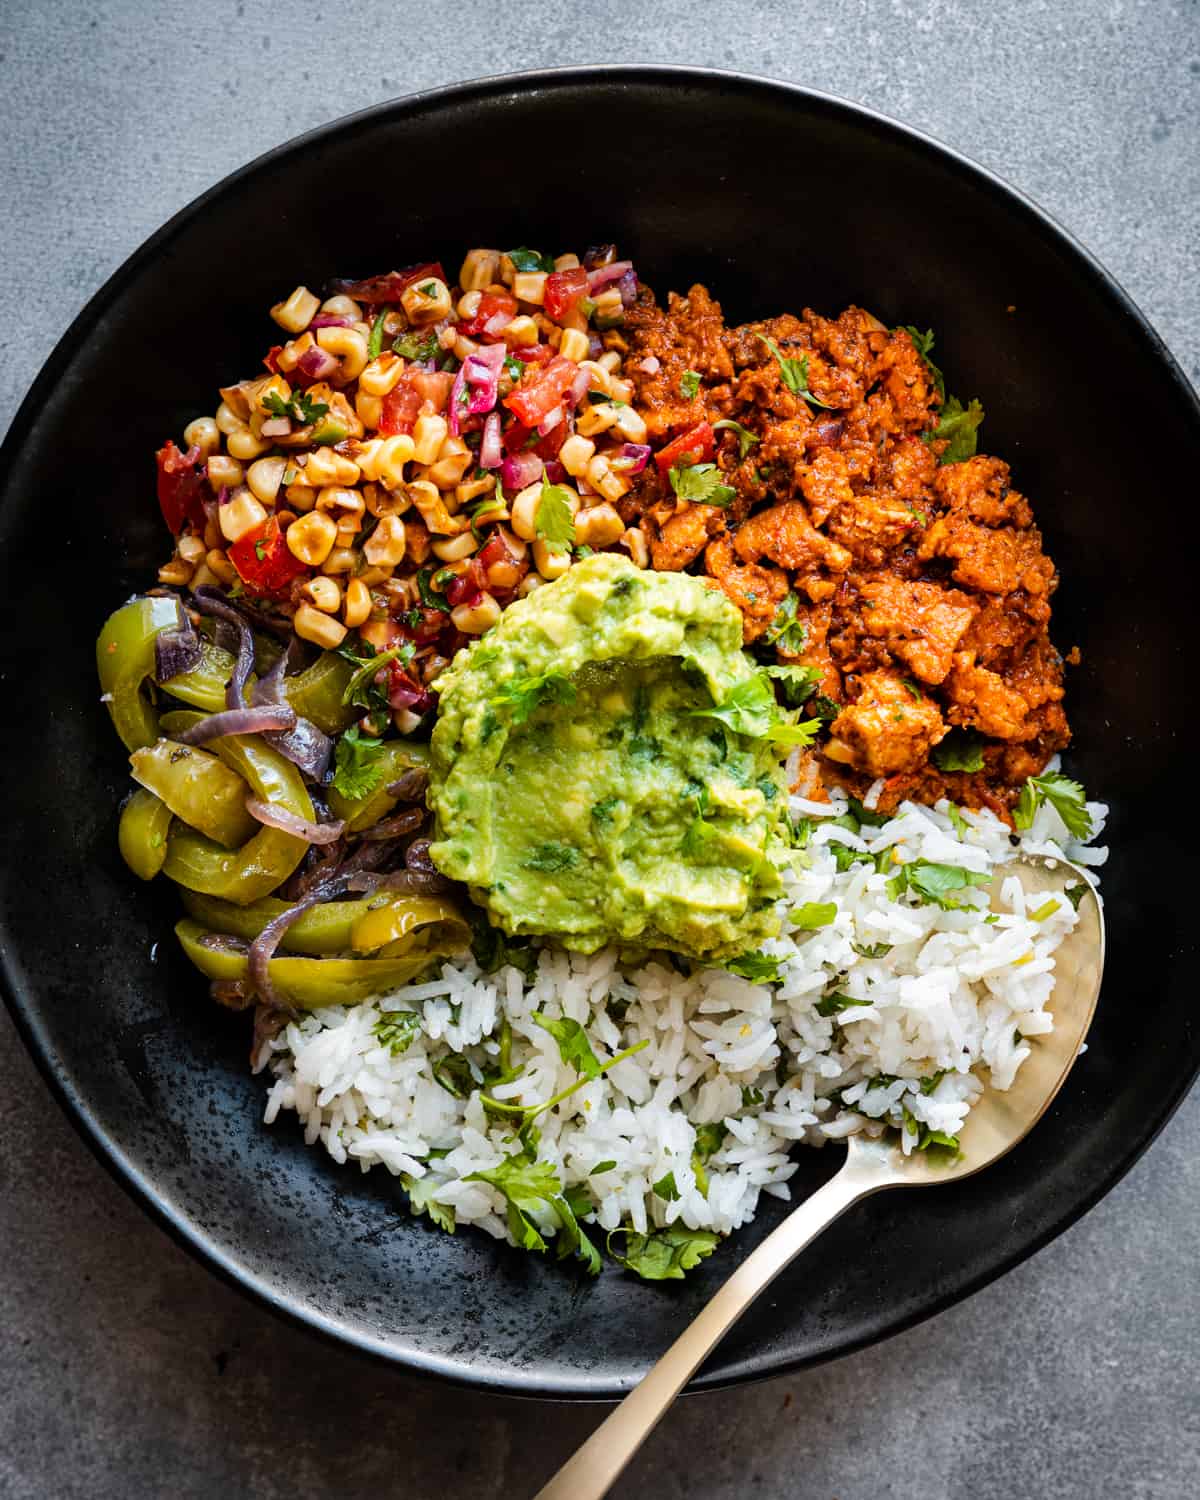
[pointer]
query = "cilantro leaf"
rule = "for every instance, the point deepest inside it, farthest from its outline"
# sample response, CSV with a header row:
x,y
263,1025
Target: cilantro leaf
x,y
358,769
960,750
525,259
931,882
709,1139
298,407
604,811
1075,894
872,950
746,439
961,826
799,683
749,709
664,1255
832,1005
552,520
420,1192
1065,796
454,1074
756,967
814,914
573,1045
528,1186
959,425
785,632
924,343
702,483
397,1030
429,597
803,733
362,688
415,346
794,373
522,695
689,384
666,1189
494,950
551,857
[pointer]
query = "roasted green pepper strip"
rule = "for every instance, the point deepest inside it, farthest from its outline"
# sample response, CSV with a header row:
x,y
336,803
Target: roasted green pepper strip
x,y
311,982
142,833
316,694
125,659
334,927
396,757
198,788
253,871
204,685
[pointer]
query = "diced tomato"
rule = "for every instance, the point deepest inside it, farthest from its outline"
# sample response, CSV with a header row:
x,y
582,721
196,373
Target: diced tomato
x,y
465,587
432,386
272,358
399,409
265,562
389,286
563,291
490,304
696,445
539,393
181,487
517,437
534,354
405,691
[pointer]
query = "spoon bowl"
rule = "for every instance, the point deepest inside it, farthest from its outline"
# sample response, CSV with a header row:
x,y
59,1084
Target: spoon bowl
x,y
997,1122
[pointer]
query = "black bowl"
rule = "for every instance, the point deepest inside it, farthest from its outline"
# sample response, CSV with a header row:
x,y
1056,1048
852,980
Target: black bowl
x,y
776,198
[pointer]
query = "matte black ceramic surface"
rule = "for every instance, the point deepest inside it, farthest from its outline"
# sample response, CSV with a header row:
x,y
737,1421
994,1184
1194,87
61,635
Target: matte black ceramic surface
x,y
776,199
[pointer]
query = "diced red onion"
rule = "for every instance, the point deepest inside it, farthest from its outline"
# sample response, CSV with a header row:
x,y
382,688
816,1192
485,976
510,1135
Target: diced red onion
x,y
327,320
550,421
396,826
210,602
239,721
491,452
316,364
264,945
308,748
412,882
520,470
595,345
603,275
555,472
498,322
457,404
403,692
481,370
579,388
272,816
275,427
650,365
465,587
635,456
176,649
628,286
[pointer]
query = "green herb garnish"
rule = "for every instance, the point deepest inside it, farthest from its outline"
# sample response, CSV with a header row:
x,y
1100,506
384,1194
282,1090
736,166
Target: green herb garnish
x,y
1065,796
357,767
664,1255
701,483
746,439
794,373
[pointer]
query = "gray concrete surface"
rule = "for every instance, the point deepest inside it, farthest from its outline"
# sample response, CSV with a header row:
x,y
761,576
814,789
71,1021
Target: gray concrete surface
x,y
125,1369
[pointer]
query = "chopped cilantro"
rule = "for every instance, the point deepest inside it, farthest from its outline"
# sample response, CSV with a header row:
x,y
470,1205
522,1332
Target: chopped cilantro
x,y
428,289
522,695
799,683
454,1074
960,750
397,1030
552,520
709,1139
525,259
604,811
551,857
872,950
702,483
959,426
601,1166
785,632
664,1255
689,384
757,967
429,598
794,373
814,914
666,1189
924,343
1065,796
528,1186
357,766
420,1192
573,1045
752,1098
931,882
362,689
961,826
1075,894
746,439
375,342
834,1004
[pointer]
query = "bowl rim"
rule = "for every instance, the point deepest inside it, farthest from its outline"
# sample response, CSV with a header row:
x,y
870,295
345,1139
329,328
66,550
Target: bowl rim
x,y
185,1230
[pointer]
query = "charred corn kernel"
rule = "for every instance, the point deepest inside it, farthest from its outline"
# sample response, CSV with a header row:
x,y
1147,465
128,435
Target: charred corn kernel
x,y
350,348
629,425
605,480
429,433
506,272
385,547
243,444
310,538
472,489
264,477
520,332
240,513
301,496
610,360
515,544
479,270
388,458
453,460
224,473
347,531
342,502
468,305
191,548
369,409
455,548
383,502
598,527
551,562
319,628
503,574
607,303
573,344
297,312
176,572
212,534
575,455
598,377
325,594
530,582
565,262
375,632
620,390
357,605
289,356
220,565
461,345
227,419
374,577
595,419
474,619
426,301
634,541
523,511
204,434
341,306
204,577
530,286
381,375
341,560
323,466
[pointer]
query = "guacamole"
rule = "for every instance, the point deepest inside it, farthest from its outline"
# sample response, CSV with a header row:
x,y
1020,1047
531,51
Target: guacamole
x,y
583,788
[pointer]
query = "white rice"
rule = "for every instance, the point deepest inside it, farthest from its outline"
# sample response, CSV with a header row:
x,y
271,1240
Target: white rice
x,y
960,994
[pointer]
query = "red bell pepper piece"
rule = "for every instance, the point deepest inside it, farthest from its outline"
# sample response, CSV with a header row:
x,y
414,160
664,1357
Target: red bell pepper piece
x,y
490,303
271,359
265,562
399,409
539,393
389,286
563,291
696,445
181,487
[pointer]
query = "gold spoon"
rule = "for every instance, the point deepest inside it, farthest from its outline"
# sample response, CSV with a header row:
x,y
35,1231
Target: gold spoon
x,y
995,1125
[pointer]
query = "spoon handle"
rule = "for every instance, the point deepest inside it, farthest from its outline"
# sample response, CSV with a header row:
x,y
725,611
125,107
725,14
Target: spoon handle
x,y
590,1471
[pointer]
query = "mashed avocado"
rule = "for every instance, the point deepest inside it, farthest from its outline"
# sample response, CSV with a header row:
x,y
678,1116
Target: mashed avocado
x,y
581,791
